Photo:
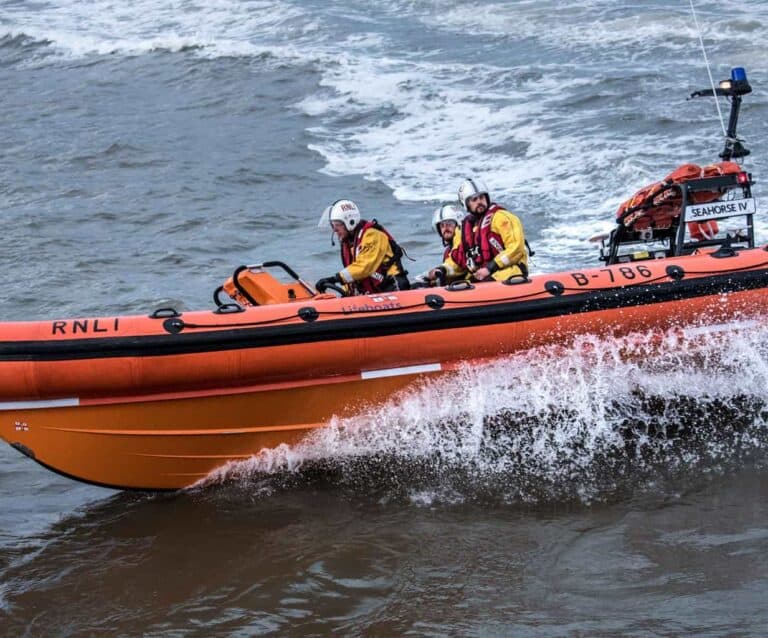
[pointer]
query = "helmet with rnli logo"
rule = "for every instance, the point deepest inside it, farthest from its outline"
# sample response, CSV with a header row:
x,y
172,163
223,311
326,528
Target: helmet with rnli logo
x,y
447,213
342,210
469,188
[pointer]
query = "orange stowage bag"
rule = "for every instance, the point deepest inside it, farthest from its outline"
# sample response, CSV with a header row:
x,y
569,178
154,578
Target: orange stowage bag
x,y
713,170
663,204
640,197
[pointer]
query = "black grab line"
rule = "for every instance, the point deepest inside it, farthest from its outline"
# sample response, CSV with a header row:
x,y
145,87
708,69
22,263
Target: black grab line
x,y
361,326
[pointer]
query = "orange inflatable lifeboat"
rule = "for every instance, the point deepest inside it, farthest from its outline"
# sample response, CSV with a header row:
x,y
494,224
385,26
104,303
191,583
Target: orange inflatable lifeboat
x,y
159,401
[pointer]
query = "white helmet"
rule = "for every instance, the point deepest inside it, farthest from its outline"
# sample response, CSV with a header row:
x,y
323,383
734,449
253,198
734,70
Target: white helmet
x,y
342,210
470,187
447,213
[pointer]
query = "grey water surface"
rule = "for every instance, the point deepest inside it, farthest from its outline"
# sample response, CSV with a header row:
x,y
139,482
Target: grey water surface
x,y
148,148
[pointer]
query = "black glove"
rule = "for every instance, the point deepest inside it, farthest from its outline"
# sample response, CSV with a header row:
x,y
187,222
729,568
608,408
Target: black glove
x,y
321,284
440,276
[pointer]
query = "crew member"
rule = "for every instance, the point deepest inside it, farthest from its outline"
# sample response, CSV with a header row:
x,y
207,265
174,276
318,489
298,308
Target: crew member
x,y
370,256
493,243
447,223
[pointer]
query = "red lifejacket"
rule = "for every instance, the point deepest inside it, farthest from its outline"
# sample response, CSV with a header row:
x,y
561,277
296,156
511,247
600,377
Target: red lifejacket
x,y
479,245
376,280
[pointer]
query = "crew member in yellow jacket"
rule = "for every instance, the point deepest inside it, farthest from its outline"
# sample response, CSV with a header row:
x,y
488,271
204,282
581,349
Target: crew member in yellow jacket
x,y
492,239
372,259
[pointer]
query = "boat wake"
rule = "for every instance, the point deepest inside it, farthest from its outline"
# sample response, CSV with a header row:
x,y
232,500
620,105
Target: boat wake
x,y
587,422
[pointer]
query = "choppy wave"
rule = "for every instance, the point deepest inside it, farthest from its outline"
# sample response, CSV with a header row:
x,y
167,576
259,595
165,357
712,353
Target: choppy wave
x,y
103,26
221,28
585,423
563,118
602,23
567,139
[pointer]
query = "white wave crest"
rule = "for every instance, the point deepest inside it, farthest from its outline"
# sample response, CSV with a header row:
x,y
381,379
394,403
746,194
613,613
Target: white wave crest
x,y
603,23
219,27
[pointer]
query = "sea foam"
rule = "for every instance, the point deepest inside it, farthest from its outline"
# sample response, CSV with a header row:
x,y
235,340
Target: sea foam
x,y
557,422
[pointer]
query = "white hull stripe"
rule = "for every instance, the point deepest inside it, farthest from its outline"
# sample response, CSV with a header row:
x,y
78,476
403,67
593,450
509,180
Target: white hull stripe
x,y
74,402
720,327
396,372
37,405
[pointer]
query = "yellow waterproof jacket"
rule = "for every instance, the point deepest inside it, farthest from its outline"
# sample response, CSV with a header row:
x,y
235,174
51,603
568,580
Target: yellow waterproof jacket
x,y
508,226
498,235
364,259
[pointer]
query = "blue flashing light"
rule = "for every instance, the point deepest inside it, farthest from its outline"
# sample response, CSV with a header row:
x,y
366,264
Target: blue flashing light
x,y
738,74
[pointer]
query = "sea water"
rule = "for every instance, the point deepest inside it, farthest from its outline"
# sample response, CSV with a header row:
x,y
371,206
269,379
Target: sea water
x,y
606,488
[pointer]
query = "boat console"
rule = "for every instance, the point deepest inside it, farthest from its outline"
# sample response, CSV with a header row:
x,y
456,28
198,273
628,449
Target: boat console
x,y
253,285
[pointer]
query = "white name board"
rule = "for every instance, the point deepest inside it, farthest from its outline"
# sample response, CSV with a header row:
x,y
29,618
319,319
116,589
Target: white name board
x,y
713,210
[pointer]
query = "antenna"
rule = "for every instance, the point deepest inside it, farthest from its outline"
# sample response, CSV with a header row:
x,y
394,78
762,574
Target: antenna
x,y
709,71
733,89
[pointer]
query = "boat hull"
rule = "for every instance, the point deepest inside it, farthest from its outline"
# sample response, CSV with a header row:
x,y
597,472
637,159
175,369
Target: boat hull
x,y
160,402
169,443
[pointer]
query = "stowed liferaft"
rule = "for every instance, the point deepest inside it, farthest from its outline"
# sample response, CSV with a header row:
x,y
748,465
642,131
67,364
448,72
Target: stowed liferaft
x,y
659,204
684,213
